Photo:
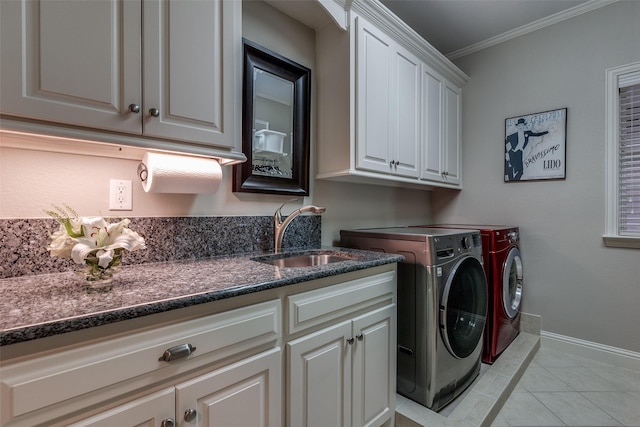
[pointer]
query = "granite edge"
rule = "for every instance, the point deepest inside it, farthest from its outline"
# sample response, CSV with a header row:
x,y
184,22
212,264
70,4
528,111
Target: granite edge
x,y
42,330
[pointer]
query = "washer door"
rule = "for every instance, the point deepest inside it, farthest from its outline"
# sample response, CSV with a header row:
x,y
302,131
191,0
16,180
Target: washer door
x,y
512,279
463,309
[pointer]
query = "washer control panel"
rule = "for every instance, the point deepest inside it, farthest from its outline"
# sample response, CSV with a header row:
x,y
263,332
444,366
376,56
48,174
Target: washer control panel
x,y
457,243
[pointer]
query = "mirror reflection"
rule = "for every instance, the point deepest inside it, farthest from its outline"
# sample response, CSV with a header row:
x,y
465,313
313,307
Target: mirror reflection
x,y
273,125
276,117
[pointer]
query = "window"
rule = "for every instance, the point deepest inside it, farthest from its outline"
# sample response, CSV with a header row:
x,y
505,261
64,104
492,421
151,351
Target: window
x,y
623,157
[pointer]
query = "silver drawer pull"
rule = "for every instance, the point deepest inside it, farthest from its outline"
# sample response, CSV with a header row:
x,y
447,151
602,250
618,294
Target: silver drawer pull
x,y
178,352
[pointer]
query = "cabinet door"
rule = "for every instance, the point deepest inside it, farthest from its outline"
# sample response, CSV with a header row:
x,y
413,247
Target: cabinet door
x,y
374,56
388,104
72,62
148,411
440,128
405,113
432,89
192,70
319,378
452,134
374,367
246,393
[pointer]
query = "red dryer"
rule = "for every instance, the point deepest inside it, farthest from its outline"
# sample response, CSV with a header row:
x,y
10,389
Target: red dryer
x,y
503,267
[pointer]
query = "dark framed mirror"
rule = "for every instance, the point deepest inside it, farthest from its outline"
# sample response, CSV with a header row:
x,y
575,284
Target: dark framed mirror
x,y
275,124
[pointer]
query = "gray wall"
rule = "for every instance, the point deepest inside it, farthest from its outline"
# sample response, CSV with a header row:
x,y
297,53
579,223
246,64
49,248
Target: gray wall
x,y
348,205
579,287
32,180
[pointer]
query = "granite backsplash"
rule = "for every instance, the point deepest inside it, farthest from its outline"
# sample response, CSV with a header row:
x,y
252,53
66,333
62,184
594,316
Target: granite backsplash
x,y
23,242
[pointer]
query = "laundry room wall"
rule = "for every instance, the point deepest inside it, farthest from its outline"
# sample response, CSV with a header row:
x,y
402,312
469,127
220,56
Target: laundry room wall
x,y
581,288
348,205
38,172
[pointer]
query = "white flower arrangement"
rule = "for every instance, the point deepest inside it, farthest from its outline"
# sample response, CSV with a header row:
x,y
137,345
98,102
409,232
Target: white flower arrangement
x,y
92,241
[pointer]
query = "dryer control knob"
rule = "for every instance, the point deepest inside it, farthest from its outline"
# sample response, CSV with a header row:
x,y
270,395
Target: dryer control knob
x,y
465,243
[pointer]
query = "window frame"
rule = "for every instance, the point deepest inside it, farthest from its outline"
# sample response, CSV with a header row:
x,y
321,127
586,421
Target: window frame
x,y
615,78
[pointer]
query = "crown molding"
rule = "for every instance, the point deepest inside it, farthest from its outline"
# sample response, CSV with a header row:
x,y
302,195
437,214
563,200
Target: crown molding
x,y
529,28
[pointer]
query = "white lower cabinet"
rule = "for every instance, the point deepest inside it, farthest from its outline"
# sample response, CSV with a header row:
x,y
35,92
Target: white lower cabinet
x,y
339,376
319,371
344,374
214,352
247,393
374,368
157,410
224,369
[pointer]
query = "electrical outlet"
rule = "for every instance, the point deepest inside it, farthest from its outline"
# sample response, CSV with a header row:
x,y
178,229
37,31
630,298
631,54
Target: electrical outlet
x,y
120,197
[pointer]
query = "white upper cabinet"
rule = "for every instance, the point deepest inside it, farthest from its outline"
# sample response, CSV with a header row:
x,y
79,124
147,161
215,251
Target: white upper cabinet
x,y
72,62
405,113
388,97
187,59
440,128
374,92
388,104
451,138
159,69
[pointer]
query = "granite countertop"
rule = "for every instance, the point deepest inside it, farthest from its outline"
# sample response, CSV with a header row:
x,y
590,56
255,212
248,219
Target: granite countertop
x,y
43,305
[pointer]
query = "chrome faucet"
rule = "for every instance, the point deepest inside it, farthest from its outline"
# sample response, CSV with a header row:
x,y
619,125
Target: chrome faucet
x,y
279,226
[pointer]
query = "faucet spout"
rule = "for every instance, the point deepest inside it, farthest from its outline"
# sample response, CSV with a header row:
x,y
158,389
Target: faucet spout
x,y
280,225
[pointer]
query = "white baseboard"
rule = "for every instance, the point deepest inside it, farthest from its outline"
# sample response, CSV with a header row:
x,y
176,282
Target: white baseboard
x,y
591,350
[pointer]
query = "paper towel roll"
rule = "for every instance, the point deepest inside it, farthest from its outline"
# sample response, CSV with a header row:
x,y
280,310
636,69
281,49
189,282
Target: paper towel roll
x,y
168,173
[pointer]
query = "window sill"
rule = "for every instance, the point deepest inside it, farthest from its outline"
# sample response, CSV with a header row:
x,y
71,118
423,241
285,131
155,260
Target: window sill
x,y
622,242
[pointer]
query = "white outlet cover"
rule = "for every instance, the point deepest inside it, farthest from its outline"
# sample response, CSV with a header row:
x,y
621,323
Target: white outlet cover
x,y
120,195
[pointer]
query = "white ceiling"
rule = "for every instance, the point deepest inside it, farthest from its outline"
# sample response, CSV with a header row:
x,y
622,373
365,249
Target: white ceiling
x,y
453,26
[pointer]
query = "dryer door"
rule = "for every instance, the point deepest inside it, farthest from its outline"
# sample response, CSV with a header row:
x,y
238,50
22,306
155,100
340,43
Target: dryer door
x,y
512,279
463,308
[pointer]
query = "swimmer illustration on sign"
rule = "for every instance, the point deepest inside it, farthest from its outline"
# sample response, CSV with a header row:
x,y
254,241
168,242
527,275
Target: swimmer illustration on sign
x,y
515,144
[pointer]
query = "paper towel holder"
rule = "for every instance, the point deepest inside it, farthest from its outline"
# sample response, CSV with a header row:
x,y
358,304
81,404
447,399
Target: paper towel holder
x,y
276,107
143,172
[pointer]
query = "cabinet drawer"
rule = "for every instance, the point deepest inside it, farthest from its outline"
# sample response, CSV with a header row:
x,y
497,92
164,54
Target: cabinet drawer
x,y
315,307
36,383
149,410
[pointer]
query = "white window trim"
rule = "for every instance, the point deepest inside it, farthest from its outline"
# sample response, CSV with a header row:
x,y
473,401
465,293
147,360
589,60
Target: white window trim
x,y
629,74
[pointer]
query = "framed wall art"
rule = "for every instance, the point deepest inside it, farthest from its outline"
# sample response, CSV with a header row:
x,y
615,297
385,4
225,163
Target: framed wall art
x,y
535,146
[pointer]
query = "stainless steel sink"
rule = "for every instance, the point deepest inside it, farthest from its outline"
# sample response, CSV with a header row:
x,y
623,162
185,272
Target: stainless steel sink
x,y
306,259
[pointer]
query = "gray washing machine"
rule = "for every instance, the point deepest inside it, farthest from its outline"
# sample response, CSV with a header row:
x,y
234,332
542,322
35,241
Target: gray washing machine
x,y
442,307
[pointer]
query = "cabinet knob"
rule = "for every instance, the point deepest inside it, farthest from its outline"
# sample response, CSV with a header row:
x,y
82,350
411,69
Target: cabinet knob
x,y
168,422
350,340
154,112
190,415
360,337
134,108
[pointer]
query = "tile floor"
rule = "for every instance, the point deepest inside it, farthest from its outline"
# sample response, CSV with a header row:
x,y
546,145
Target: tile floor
x,y
479,405
559,389
534,386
